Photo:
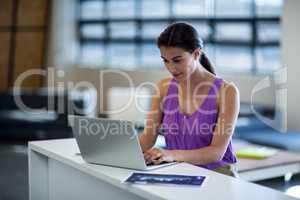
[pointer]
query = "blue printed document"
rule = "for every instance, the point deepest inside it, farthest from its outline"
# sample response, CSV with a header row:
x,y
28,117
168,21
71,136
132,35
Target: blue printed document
x,y
168,179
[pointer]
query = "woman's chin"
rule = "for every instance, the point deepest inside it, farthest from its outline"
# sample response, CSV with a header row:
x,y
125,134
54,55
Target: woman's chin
x,y
179,77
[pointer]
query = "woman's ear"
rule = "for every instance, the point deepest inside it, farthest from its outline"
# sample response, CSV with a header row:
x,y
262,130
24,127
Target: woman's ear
x,y
197,54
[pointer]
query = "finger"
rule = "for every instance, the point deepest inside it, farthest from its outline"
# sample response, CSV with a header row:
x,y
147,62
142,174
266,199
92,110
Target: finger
x,y
157,150
147,152
153,151
159,161
156,156
148,160
152,154
147,155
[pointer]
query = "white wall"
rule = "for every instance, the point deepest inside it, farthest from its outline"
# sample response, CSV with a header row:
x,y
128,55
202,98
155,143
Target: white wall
x,y
290,57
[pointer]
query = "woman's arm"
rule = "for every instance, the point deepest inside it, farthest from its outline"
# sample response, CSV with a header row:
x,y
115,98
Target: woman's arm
x,y
148,137
228,112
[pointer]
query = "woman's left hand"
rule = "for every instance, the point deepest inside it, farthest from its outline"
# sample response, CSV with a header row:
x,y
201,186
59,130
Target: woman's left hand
x,y
157,156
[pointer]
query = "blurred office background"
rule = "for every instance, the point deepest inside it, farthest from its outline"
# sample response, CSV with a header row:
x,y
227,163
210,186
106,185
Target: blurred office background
x,y
253,43
240,36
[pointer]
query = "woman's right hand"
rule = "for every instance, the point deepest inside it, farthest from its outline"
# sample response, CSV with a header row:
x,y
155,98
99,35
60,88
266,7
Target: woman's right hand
x,y
151,155
158,156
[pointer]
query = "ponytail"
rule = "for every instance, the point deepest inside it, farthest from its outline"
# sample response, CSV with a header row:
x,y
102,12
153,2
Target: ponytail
x,y
204,61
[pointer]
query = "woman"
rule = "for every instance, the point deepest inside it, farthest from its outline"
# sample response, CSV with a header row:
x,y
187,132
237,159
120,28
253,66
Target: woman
x,y
196,110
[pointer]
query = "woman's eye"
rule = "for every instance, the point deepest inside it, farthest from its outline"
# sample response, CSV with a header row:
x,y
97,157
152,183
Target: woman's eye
x,y
165,61
176,61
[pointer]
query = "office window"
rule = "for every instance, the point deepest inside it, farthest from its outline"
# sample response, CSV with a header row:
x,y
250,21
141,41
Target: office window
x,y
228,32
155,8
150,30
192,8
233,58
241,36
122,29
268,32
121,55
93,54
120,8
233,8
268,7
93,31
91,10
267,58
150,56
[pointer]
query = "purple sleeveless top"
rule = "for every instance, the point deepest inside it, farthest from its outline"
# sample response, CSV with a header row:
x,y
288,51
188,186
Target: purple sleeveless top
x,y
184,132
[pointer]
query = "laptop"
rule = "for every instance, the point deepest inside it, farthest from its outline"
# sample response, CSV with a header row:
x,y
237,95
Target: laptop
x,y
109,142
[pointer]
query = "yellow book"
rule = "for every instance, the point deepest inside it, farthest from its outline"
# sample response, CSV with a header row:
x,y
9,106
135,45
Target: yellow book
x,y
256,152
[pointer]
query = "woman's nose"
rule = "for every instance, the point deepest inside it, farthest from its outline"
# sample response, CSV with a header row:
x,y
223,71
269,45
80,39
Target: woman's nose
x,y
171,68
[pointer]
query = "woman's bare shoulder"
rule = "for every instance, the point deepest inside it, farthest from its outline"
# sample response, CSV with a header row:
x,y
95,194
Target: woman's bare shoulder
x,y
164,84
227,91
229,87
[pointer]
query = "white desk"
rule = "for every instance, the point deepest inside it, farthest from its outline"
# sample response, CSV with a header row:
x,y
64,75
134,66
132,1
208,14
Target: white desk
x,y
284,163
56,172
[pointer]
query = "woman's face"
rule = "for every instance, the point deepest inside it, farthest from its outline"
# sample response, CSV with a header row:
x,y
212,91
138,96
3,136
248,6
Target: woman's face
x,y
179,62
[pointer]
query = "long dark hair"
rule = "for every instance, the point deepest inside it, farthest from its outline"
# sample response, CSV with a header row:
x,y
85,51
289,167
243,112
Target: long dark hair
x,y
185,36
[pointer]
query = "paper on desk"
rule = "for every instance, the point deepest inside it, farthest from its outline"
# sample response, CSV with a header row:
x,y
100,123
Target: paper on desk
x,y
256,152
